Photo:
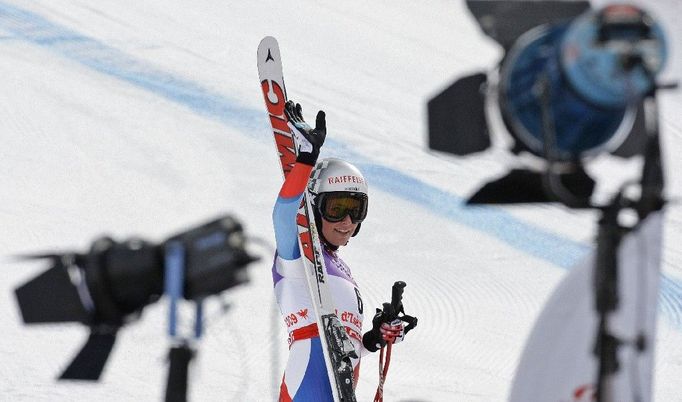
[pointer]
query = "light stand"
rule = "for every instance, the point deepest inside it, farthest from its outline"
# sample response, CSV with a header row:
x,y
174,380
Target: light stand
x,y
610,232
182,349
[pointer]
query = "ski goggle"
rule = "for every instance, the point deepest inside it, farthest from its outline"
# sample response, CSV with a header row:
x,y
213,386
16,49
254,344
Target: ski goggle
x,y
334,206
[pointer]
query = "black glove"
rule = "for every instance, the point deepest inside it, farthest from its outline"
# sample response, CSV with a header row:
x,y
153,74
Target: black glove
x,y
373,340
387,324
307,139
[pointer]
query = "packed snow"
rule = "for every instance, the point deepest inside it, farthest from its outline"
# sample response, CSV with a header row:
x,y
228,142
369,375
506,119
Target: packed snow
x,y
135,118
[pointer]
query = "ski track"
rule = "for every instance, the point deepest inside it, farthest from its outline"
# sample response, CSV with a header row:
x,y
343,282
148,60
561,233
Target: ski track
x,y
33,28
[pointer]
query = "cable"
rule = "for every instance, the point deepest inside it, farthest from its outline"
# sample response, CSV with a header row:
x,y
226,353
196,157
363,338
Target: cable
x,y
266,244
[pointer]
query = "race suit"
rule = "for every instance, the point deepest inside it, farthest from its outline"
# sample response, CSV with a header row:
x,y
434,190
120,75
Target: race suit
x,y
305,377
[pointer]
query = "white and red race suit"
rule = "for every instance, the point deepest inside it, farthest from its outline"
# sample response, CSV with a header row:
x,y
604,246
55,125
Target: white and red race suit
x,y
305,377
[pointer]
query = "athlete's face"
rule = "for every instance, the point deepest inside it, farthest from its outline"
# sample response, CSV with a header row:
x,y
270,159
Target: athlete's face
x,y
338,233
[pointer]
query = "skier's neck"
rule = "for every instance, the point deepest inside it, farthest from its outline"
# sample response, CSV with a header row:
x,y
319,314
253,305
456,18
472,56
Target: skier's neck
x,y
331,249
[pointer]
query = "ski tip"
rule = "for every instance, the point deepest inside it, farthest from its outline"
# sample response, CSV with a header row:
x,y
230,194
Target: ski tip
x,y
268,41
268,52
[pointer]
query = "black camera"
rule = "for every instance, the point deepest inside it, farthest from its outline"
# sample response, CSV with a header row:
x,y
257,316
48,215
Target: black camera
x,y
110,284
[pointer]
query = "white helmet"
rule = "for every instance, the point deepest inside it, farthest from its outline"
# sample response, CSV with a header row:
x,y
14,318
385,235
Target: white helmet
x,y
334,177
332,174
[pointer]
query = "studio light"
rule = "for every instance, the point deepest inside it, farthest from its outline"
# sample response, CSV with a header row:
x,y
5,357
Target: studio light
x,y
108,286
569,87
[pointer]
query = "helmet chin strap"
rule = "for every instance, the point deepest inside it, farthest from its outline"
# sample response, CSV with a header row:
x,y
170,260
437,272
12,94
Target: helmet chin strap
x,y
328,245
357,229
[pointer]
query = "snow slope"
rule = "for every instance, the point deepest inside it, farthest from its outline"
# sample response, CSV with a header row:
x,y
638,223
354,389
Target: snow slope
x,y
143,118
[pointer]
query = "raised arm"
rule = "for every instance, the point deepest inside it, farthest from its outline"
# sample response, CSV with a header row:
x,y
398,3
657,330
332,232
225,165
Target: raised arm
x,y
309,141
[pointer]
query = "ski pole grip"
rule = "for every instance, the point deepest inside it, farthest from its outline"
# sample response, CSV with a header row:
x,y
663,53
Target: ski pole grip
x,y
397,296
388,313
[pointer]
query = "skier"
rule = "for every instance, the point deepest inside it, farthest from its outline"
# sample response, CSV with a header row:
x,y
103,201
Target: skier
x,y
340,205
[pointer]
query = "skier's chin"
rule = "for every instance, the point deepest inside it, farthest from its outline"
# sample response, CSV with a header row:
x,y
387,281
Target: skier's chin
x,y
340,240
339,237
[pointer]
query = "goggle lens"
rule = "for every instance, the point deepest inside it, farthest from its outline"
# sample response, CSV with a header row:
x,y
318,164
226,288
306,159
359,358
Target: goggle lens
x,y
335,207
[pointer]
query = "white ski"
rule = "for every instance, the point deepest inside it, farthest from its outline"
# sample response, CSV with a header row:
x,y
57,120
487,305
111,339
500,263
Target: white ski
x,y
336,345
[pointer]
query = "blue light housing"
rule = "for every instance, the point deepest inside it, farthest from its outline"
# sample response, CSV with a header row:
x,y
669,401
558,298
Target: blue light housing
x,y
595,70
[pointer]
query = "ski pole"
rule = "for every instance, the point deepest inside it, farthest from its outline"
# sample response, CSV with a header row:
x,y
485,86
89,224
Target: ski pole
x,y
383,370
390,312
